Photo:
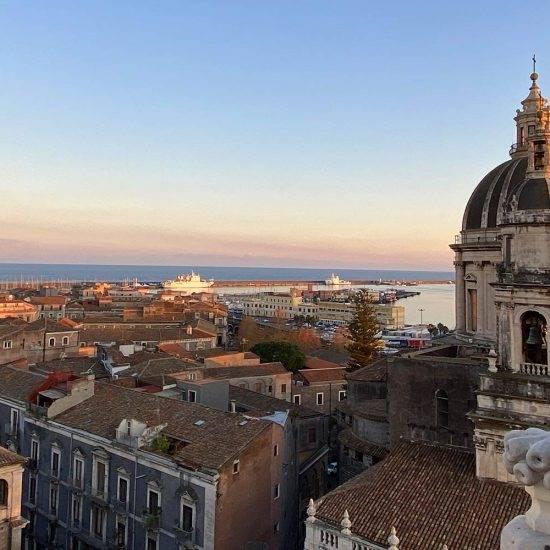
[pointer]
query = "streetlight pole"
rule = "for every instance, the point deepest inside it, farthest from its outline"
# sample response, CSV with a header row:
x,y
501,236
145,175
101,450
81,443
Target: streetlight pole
x,y
421,311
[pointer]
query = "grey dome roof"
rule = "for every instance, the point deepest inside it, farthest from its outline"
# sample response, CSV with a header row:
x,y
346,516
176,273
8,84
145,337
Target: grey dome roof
x,y
487,203
533,194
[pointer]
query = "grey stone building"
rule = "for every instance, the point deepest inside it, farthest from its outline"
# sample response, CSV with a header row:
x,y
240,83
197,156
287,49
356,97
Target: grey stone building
x,y
111,467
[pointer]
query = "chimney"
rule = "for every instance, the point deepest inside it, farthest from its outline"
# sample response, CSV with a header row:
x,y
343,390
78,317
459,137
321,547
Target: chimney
x,y
232,406
189,329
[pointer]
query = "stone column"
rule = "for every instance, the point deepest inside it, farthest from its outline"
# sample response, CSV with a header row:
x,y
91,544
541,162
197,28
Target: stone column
x,y
460,297
481,299
527,456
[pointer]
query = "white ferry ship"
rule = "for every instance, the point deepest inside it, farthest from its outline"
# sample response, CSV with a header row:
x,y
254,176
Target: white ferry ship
x,y
185,283
334,280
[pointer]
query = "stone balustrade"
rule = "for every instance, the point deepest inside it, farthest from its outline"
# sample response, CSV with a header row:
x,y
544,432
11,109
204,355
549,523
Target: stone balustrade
x,y
535,369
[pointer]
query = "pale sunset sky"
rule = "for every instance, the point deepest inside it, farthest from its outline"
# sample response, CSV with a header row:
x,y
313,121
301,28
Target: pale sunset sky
x,y
255,133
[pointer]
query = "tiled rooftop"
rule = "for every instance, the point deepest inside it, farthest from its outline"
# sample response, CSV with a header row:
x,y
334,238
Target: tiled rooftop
x,y
318,375
375,372
17,384
228,372
254,401
9,458
220,438
431,495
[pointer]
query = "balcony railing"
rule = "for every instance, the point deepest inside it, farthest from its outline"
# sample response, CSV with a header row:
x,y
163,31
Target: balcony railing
x,y
11,430
478,238
100,495
185,535
152,518
534,369
78,483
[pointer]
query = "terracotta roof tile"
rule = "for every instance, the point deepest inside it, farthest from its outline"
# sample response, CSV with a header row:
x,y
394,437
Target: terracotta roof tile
x,y
431,495
313,376
228,372
9,458
211,444
17,384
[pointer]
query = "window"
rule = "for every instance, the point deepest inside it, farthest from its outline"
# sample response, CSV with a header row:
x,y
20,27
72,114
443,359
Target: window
x,y
320,398
297,399
276,490
236,467
65,340
192,396
442,408
14,421
311,435
97,527
32,489
276,528
121,531
35,449
153,502
51,342
56,462
341,395
7,344
275,450
99,482
283,388
187,516
77,510
472,301
122,491
3,492
151,542
78,472
54,498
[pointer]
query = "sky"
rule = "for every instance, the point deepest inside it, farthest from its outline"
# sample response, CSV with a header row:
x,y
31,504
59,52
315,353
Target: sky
x,y
277,133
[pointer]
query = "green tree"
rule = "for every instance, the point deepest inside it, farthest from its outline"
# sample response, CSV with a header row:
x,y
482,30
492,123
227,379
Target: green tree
x,y
287,353
362,332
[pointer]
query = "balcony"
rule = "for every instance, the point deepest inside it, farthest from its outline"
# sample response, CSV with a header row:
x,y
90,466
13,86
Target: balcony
x,y
534,369
77,483
11,431
100,496
184,535
151,518
479,238
38,410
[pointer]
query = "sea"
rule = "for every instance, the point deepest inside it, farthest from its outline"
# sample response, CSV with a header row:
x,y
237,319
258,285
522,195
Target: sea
x,y
150,273
434,304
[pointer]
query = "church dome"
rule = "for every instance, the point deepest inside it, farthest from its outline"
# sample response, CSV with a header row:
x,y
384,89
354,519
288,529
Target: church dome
x,y
533,194
486,206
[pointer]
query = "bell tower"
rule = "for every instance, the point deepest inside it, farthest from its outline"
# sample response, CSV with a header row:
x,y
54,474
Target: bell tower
x,y
515,393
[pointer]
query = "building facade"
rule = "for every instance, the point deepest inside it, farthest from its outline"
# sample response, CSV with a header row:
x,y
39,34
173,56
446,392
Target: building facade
x,y
112,467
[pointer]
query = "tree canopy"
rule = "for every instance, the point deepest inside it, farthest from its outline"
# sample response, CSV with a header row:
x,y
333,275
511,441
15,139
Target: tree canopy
x,y
287,353
362,332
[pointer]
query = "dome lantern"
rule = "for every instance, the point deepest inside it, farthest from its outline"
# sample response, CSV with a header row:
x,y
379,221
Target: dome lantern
x,y
527,118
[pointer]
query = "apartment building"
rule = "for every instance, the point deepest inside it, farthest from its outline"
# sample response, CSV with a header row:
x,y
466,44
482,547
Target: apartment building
x,y
288,306
113,467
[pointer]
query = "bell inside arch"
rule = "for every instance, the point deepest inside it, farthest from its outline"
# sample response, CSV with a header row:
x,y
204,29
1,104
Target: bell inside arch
x,y
534,338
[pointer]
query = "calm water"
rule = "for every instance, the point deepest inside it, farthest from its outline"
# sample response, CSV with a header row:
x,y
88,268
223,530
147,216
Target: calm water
x,y
437,301
10,272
